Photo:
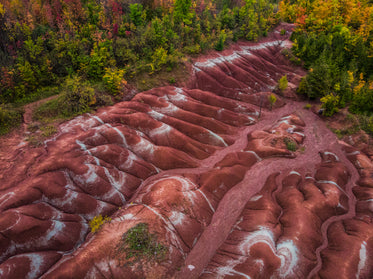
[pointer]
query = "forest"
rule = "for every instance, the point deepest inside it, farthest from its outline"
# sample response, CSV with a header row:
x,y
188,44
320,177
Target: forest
x,y
86,50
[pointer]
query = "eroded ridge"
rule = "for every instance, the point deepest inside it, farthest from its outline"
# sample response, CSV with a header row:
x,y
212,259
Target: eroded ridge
x,y
279,229
249,70
178,208
350,241
98,161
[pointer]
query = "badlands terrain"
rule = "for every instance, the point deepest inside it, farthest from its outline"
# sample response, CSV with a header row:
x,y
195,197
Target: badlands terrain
x,y
228,185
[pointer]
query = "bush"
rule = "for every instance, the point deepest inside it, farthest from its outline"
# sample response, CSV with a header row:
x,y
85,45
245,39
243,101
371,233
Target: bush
x,y
78,96
272,100
291,145
113,80
283,83
220,44
9,118
330,104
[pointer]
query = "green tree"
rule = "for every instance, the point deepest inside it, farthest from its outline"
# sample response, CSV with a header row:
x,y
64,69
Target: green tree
x,y
182,11
272,100
283,83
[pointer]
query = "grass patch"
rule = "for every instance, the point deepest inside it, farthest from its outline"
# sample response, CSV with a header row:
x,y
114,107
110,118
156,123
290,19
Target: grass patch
x,y
291,145
145,81
40,93
77,97
138,243
366,123
35,140
47,131
10,118
307,106
50,110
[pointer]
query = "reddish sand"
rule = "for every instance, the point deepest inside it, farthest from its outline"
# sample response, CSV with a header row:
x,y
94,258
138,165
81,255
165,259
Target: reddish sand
x,y
211,176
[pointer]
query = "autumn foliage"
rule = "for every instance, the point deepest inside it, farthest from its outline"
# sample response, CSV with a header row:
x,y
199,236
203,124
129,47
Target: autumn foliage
x,y
335,41
44,42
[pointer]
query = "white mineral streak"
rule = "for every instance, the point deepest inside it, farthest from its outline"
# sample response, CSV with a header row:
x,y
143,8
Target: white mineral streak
x,y
191,267
254,153
169,227
256,198
164,129
295,172
207,200
285,250
332,154
363,255
36,262
177,218
332,182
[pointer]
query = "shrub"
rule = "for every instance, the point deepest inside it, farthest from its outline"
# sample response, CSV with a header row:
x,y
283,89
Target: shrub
x,y
96,223
78,96
159,58
291,145
137,14
283,83
220,44
138,243
272,100
113,80
330,104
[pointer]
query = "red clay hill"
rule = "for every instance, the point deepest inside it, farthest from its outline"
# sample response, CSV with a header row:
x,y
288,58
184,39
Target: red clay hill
x,y
222,190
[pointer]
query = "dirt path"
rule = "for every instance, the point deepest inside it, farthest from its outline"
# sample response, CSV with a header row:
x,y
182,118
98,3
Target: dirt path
x,y
12,144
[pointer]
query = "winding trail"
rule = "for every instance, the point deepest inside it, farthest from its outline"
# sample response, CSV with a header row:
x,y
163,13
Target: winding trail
x,y
317,138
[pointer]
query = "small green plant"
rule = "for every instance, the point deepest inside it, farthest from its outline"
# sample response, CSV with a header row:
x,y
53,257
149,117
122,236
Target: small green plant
x,y
291,145
172,80
34,141
283,83
96,223
138,243
307,106
48,130
272,100
283,32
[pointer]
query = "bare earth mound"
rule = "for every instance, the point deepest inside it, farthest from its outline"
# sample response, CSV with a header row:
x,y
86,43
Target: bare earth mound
x,y
223,190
